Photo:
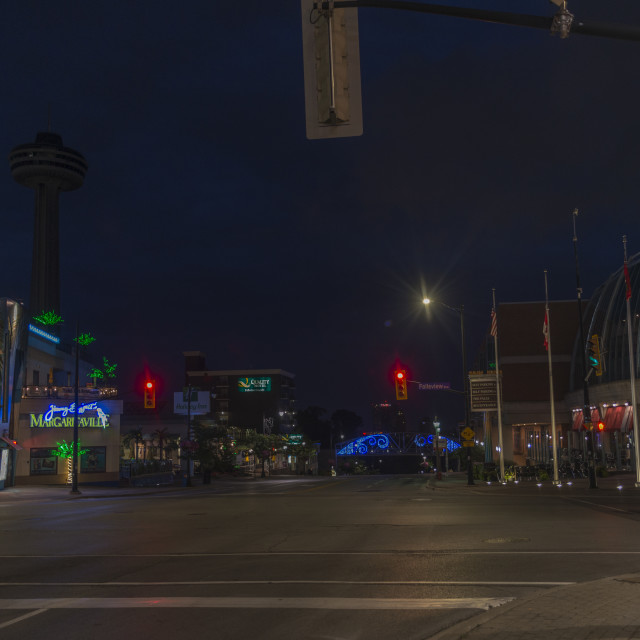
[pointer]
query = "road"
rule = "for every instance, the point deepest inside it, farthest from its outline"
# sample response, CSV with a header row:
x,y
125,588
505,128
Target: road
x,y
373,557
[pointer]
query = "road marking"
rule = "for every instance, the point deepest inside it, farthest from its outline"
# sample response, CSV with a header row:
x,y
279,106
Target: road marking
x,y
8,623
253,554
252,603
395,583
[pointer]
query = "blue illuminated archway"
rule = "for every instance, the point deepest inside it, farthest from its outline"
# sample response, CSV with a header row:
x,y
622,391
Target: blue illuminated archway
x,y
401,443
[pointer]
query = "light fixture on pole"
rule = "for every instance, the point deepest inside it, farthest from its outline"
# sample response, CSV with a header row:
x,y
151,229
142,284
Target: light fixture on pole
x,y
465,379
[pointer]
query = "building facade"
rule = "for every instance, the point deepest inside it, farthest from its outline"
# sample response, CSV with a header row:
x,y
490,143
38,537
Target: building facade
x,y
260,399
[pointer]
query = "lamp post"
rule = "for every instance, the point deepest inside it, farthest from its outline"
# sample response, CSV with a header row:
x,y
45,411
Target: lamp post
x,y
436,426
465,381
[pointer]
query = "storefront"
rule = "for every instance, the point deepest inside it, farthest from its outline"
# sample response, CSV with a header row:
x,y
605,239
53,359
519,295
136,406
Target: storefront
x,y
45,433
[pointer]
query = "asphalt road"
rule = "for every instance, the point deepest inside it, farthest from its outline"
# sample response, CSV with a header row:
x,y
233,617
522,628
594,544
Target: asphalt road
x,y
373,557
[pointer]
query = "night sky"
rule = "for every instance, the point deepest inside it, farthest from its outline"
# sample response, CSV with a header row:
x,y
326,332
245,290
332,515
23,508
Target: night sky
x,y
207,220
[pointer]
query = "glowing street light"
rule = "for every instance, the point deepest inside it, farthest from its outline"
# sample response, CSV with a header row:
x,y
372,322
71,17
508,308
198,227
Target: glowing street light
x,y
426,301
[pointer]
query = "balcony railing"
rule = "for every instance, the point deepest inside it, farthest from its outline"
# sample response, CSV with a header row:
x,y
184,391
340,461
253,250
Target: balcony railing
x,y
39,391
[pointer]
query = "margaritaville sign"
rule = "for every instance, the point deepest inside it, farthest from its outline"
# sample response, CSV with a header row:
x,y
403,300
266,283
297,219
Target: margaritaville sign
x,y
64,416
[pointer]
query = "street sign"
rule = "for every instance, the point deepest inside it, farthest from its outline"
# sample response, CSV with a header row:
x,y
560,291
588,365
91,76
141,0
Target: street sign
x,y
468,443
468,434
434,386
483,392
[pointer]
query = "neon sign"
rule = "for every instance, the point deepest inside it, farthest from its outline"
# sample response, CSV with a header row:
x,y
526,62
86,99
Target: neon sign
x,y
254,384
63,416
43,334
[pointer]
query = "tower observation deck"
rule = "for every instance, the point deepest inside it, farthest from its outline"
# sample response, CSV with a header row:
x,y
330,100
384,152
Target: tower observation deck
x,y
47,167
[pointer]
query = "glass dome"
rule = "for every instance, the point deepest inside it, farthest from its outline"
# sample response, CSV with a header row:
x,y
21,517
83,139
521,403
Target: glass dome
x,y
605,314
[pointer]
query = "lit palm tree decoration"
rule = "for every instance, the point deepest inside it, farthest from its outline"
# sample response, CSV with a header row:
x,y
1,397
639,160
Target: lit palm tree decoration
x,y
108,370
48,318
65,450
84,339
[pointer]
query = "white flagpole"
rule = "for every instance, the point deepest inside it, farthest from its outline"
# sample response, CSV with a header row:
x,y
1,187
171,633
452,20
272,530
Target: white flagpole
x,y
553,409
498,393
632,371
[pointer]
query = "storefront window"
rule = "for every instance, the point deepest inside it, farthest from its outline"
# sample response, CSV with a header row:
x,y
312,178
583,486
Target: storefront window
x,y
43,462
94,460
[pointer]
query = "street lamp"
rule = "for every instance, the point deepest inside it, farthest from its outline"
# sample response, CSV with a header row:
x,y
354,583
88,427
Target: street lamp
x,y
465,382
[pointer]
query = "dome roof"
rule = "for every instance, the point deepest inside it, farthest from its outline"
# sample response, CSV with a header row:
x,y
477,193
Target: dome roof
x,y
606,315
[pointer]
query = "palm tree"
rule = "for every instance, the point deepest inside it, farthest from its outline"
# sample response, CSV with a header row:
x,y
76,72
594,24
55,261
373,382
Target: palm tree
x,y
161,436
133,435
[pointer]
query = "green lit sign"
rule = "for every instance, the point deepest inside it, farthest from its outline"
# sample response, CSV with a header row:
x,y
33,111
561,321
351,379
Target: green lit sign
x,y
254,384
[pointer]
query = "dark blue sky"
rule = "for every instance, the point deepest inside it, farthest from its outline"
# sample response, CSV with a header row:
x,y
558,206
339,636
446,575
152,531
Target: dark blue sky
x,y
209,222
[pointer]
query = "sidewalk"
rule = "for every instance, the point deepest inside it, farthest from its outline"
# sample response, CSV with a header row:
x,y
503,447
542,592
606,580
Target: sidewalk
x,y
606,609
600,610
615,483
63,492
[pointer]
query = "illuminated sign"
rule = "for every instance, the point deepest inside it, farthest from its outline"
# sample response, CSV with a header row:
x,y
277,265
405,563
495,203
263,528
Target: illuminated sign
x,y
254,384
200,403
43,334
63,416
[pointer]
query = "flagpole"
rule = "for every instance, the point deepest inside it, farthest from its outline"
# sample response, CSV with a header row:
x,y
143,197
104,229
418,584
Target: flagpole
x,y
498,394
547,318
632,367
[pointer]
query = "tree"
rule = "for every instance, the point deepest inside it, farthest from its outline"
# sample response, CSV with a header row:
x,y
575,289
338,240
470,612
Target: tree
x,y
161,435
345,422
313,425
133,435
263,446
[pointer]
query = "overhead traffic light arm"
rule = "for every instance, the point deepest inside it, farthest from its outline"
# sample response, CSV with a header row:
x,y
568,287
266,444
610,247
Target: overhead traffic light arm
x,y
604,30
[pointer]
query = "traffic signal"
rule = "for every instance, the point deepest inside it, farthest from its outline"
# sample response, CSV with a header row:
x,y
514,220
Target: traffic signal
x,y
331,57
595,360
150,394
600,425
401,384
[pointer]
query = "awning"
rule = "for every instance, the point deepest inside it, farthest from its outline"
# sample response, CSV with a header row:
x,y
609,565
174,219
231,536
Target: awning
x,y
578,422
613,418
12,443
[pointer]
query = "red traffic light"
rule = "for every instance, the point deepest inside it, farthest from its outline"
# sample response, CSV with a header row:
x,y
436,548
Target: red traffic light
x,y
150,394
401,384
600,426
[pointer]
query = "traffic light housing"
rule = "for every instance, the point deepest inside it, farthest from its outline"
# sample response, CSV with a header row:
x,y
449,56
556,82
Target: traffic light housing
x,y
331,57
401,384
150,394
595,359
600,425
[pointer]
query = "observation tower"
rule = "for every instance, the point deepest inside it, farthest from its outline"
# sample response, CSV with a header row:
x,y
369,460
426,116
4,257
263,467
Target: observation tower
x,y
47,167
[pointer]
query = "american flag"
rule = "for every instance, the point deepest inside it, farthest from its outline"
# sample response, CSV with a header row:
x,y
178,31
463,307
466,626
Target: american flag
x,y
494,323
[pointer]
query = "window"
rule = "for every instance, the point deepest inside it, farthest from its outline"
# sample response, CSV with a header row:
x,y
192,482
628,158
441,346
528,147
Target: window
x,y
94,460
43,462
36,378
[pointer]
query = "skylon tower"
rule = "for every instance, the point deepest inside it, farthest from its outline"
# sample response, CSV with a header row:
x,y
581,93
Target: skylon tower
x,y
47,167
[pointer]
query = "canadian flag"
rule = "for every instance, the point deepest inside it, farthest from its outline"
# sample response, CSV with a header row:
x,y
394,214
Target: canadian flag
x,y
545,330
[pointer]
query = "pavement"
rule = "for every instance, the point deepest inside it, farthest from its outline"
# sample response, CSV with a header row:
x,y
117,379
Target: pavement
x,y
605,609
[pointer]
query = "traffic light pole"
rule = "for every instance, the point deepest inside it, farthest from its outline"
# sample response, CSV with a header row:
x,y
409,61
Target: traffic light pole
x,y
74,452
465,382
586,409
